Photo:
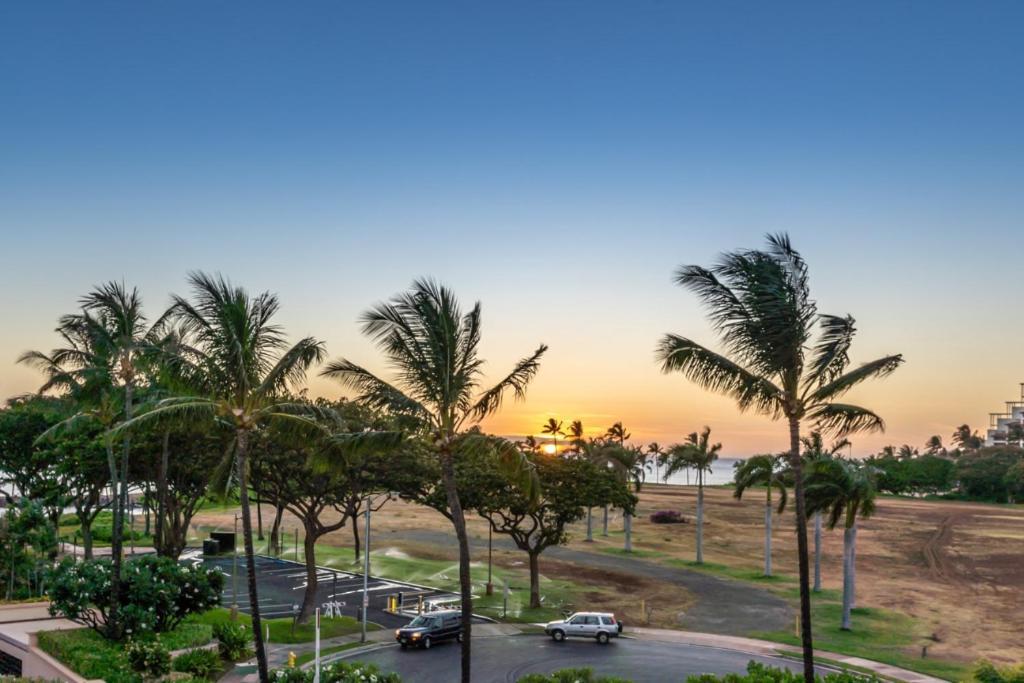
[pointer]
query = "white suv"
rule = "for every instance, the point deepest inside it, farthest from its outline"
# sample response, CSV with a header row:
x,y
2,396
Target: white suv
x,y
598,625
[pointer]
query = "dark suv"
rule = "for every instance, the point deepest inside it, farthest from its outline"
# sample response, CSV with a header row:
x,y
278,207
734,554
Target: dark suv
x,y
427,629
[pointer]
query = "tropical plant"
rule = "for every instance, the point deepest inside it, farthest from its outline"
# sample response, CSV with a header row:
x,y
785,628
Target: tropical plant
x,y
762,673
618,433
934,445
697,453
654,454
233,640
762,470
239,368
759,302
814,450
846,491
148,657
554,428
201,663
629,464
434,349
966,439
906,452
576,434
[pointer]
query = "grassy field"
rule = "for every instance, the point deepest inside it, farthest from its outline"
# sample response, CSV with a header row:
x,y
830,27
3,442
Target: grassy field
x,y
281,630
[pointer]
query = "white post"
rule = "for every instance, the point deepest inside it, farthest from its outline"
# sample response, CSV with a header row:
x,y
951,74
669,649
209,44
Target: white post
x,y
366,571
316,655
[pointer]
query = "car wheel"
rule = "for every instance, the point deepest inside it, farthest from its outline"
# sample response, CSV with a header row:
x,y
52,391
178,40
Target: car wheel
x,y
426,643
602,638
557,635
403,645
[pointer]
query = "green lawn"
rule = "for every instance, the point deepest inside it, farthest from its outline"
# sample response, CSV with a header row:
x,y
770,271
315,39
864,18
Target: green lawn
x,y
308,656
281,629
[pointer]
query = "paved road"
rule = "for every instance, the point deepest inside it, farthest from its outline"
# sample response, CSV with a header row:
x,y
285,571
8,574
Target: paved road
x,y
723,605
503,660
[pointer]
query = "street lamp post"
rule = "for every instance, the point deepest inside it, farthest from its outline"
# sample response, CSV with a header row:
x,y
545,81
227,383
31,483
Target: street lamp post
x,y
234,573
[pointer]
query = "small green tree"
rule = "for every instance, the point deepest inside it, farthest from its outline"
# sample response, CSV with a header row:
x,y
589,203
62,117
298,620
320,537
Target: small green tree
x,y
697,453
762,470
28,544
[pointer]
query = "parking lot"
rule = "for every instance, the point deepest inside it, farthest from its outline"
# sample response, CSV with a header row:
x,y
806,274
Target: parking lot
x,y
282,585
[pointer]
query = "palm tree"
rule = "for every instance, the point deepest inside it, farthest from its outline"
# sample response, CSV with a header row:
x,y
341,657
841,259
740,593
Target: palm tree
x,y
618,433
815,450
433,347
847,491
759,302
654,455
554,428
576,432
906,452
628,464
108,346
698,453
762,470
240,368
934,445
967,440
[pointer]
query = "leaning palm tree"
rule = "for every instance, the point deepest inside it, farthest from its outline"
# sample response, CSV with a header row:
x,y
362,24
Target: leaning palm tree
x,y
699,453
239,368
846,490
814,450
554,428
760,304
762,470
654,455
108,347
433,349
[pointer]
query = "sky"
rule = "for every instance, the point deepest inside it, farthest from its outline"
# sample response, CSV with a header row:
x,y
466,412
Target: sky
x,y
557,161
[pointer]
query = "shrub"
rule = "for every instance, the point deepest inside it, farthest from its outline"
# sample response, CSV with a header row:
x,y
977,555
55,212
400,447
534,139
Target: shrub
x,y
157,593
986,672
760,673
201,663
583,675
148,657
667,517
232,640
336,672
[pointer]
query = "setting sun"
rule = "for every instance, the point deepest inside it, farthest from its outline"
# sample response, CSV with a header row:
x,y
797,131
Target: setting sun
x,y
550,449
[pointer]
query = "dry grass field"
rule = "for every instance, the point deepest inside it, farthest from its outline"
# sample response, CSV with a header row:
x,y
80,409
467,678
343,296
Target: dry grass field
x,y
956,568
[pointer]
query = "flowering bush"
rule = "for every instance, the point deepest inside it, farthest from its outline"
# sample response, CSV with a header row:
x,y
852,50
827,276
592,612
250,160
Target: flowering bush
x,y
148,657
156,593
233,640
667,517
337,672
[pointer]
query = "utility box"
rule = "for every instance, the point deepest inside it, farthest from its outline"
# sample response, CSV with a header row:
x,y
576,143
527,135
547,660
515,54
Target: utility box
x,y
211,546
226,540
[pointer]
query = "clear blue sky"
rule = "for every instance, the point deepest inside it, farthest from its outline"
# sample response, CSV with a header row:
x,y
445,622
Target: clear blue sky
x,y
556,160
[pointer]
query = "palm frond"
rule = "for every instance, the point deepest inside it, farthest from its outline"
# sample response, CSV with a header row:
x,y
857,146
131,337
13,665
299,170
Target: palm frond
x,y
831,354
291,367
844,418
374,391
516,381
875,369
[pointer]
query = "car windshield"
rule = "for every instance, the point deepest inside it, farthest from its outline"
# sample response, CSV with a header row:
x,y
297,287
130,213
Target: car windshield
x,y
423,621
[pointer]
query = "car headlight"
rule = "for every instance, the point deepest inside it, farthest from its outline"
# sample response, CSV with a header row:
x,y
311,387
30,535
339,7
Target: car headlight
x,y
398,632
415,636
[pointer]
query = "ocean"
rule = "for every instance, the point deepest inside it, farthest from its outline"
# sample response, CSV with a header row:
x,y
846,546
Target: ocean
x,y
721,473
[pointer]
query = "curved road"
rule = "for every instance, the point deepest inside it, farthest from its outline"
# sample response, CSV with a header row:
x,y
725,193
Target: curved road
x,y
504,660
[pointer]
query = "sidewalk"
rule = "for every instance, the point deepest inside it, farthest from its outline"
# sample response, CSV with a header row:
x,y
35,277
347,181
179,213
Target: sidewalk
x,y
768,648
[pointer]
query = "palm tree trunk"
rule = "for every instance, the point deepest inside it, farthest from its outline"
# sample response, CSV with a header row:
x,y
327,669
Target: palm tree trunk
x,y
355,534
853,568
700,517
534,580
801,541
604,528
590,525
465,580
112,626
275,531
817,551
847,576
250,556
259,517
161,492
627,523
768,535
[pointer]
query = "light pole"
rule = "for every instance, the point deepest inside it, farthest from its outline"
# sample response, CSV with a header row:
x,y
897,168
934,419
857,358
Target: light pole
x,y
366,570
234,573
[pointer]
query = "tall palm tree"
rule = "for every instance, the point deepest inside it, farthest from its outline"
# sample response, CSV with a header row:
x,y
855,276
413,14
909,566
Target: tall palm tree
x,y
699,453
433,348
967,440
240,369
815,450
654,455
933,446
617,434
576,432
846,490
906,452
109,344
762,470
628,464
760,304
554,428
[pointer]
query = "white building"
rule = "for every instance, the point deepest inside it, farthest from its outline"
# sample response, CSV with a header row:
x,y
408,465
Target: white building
x,y
999,423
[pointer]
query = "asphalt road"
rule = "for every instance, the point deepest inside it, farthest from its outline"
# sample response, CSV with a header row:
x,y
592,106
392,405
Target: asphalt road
x,y
503,660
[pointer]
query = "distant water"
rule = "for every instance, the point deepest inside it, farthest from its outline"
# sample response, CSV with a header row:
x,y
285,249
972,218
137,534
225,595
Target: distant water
x,y
721,473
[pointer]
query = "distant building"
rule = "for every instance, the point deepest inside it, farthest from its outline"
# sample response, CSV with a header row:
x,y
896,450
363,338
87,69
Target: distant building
x,y
999,424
